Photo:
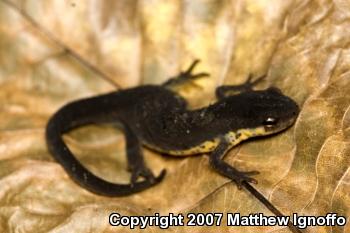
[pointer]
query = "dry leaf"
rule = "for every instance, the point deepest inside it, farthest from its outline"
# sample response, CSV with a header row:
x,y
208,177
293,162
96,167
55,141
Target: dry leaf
x,y
52,52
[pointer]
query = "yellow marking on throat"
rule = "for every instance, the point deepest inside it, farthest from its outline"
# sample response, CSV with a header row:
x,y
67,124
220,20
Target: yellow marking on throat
x,y
236,137
204,147
208,146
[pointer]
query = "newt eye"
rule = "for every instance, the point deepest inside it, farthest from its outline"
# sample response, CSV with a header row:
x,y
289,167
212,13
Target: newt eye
x,y
270,121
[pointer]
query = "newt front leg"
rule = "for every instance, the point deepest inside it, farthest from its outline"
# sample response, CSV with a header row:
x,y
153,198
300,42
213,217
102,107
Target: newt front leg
x,y
217,162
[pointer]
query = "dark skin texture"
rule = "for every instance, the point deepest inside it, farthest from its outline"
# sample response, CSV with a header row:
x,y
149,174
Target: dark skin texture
x,y
157,117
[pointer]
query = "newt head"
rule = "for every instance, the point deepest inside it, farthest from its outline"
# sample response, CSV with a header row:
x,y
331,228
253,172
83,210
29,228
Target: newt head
x,y
260,112
281,112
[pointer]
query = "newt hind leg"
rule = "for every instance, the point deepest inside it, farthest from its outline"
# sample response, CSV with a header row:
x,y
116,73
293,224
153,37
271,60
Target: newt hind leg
x,y
229,90
184,78
136,163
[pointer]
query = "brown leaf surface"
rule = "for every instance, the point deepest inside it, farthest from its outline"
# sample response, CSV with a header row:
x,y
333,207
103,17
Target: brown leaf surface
x,y
55,51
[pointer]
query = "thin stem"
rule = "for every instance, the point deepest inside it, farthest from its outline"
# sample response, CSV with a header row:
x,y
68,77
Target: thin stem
x,y
268,205
65,48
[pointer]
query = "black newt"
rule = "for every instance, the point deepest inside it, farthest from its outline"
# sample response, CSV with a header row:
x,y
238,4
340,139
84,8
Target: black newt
x,y
157,117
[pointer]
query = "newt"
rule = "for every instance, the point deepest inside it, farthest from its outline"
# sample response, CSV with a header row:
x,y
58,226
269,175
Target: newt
x,y
158,117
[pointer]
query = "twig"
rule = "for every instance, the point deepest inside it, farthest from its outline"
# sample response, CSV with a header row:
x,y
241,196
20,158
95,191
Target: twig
x,y
268,205
47,33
